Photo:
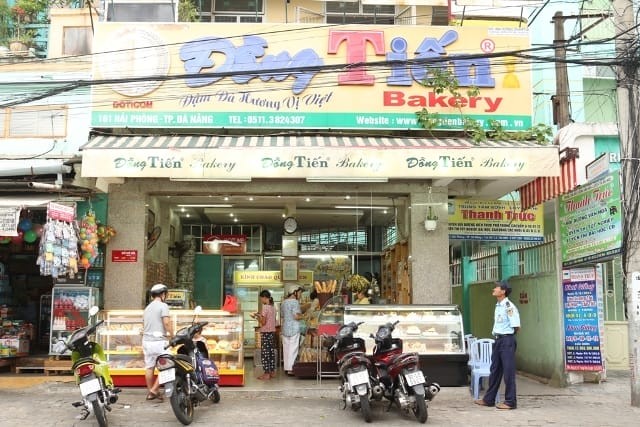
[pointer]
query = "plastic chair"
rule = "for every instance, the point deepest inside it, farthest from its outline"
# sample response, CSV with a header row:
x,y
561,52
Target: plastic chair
x,y
480,352
469,340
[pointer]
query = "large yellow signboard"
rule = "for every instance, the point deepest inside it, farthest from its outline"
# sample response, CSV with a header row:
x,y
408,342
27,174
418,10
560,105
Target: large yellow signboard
x,y
196,75
495,220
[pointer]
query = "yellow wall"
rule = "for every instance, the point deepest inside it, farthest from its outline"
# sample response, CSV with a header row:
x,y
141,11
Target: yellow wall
x,y
61,18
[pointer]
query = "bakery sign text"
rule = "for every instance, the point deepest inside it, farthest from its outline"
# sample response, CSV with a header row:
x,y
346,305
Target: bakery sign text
x,y
248,61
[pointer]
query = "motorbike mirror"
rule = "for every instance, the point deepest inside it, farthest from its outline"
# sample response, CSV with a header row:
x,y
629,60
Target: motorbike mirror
x,y
93,310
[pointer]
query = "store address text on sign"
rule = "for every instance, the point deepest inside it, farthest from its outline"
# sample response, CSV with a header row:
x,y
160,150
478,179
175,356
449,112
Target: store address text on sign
x,y
126,255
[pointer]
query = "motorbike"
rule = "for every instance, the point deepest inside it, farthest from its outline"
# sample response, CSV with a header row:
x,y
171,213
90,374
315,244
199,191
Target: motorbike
x,y
91,372
355,369
400,375
189,377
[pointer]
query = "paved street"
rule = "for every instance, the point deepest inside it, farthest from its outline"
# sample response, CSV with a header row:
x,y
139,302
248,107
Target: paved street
x,y
293,402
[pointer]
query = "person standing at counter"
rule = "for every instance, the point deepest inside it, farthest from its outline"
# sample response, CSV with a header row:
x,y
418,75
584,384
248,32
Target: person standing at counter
x,y
290,314
267,321
156,328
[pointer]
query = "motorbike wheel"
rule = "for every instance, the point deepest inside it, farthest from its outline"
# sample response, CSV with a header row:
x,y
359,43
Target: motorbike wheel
x,y
420,411
365,408
99,412
215,398
181,402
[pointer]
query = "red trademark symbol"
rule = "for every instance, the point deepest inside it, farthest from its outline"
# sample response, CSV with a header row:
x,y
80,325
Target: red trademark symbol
x,y
487,45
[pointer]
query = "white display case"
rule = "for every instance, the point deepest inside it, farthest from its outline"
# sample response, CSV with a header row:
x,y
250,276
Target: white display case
x,y
435,332
424,329
121,339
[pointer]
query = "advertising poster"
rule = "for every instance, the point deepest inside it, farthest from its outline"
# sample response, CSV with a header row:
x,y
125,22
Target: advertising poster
x,y
295,76
581,320
495,220
591,221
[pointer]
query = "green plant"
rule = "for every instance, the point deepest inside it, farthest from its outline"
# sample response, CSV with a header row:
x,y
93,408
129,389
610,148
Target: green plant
x,y
430,215
187,11
442,80
5,23
33,9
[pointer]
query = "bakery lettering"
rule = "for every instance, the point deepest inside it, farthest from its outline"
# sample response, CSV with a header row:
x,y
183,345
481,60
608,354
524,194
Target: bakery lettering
x,y
249,61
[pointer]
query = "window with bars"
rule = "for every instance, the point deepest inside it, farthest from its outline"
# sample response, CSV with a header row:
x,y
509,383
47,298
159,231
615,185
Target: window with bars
x,y
34,122
237,11
141,10
338,12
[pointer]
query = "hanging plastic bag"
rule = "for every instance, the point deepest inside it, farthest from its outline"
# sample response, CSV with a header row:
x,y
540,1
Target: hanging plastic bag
x,y
230,304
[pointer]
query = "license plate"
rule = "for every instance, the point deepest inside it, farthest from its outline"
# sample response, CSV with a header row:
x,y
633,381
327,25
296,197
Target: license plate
x,y
413,378
356,378
88,387
167,375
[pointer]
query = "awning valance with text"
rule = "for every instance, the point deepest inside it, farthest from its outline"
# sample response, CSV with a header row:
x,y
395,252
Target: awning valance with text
x,y
304,156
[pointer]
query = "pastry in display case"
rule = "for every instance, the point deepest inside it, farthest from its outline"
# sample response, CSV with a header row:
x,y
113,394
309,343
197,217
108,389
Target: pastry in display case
x,y
121,337
435,332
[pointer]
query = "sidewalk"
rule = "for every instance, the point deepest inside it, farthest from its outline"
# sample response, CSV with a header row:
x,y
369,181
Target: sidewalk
x,y
286,401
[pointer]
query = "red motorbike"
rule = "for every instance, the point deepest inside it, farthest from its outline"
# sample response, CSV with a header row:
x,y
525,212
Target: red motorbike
x,y
399,374
355,369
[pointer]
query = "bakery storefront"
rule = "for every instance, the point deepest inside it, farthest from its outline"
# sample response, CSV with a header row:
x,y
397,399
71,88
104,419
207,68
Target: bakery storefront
x,y
244,112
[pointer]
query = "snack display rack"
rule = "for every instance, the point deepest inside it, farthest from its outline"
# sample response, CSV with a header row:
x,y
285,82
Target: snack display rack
x,y
121,338
69,311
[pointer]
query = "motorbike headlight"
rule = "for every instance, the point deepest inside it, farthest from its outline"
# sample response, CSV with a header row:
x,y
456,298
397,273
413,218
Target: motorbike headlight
x,y
383,334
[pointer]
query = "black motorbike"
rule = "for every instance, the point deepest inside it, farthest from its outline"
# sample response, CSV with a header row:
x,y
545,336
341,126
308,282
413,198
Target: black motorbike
x,y
355,369
399,374
188,377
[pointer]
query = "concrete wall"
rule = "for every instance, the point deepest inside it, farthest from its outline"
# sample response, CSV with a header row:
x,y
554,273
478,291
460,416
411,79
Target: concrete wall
x,y
124,281
429,249
540,349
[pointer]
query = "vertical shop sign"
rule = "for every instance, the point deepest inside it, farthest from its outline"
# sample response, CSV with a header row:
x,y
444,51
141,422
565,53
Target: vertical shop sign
x,y
581,320
9,218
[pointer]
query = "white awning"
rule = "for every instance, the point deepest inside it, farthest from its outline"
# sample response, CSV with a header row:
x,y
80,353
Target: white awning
x,y
210,157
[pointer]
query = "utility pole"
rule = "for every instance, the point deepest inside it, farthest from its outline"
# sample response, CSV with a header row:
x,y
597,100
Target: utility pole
x,y
628,103
561,108
561,116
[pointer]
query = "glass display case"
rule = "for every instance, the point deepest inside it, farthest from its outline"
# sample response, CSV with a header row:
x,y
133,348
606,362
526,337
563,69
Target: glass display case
x,y
121,337
314,359
69,311
433,331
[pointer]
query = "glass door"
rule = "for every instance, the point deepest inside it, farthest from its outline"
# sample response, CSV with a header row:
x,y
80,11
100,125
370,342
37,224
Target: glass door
x,y
233,264
248,298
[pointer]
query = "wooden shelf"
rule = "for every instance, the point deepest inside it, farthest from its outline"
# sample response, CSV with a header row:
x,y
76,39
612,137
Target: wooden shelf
x,y
396,274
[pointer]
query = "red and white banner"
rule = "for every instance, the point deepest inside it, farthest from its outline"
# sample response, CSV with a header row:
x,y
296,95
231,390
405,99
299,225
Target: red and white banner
x,y
546,188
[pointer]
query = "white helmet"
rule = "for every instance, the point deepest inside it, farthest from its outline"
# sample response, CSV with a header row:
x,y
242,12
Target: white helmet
x,y
157,289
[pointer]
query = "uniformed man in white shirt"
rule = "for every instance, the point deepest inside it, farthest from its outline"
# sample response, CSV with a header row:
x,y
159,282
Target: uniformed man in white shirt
x,y
506,323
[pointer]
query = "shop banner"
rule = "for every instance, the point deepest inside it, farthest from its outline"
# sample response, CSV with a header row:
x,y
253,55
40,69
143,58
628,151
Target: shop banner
x,y
244,164
9,218
495,220
591,221
295,76
252,278
225,244
581,320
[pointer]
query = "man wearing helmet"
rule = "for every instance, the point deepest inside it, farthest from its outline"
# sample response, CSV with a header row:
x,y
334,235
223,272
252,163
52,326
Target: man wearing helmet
x,y
156,328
